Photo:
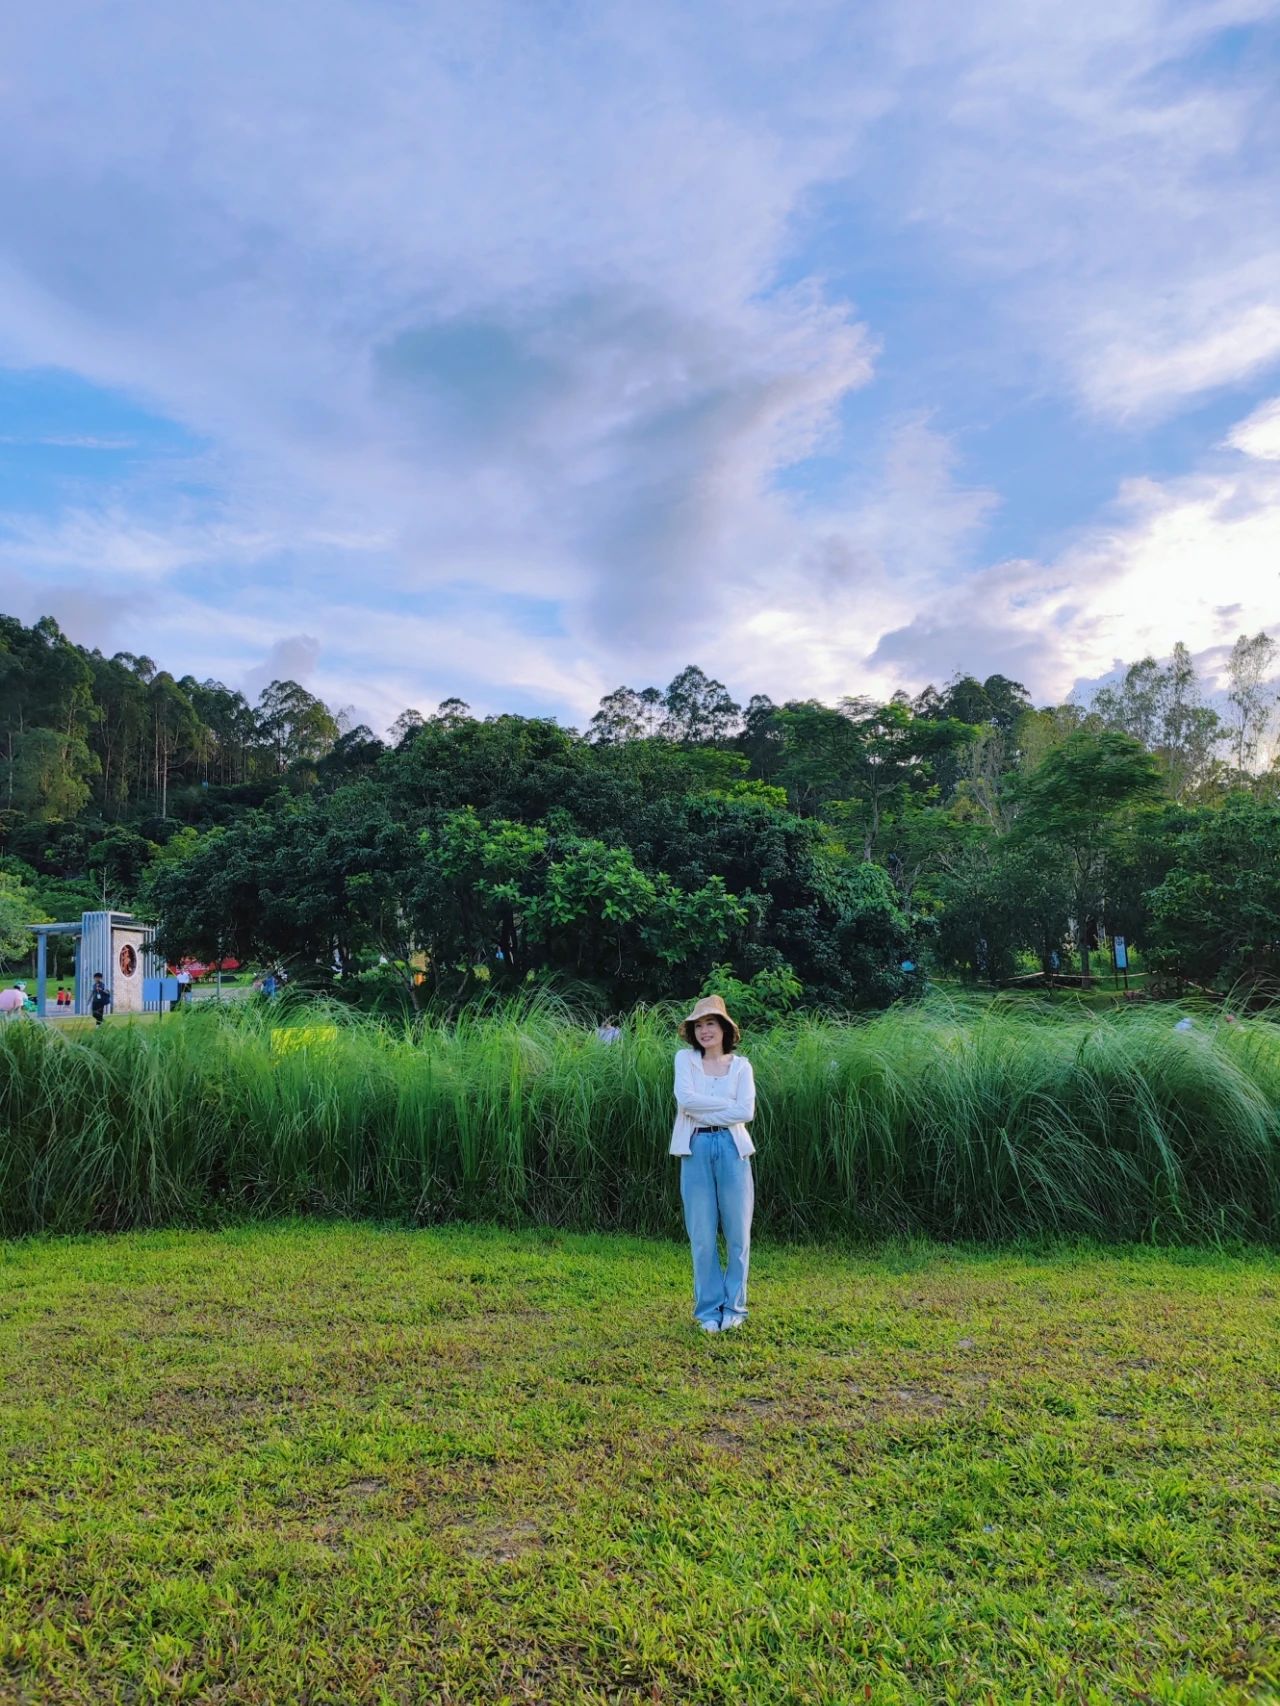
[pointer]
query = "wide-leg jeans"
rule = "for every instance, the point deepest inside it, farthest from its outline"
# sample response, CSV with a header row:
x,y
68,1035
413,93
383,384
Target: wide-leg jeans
x,y
718,1192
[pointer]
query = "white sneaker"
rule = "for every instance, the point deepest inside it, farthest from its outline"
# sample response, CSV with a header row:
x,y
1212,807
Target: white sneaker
x,y
709,1326
730,1321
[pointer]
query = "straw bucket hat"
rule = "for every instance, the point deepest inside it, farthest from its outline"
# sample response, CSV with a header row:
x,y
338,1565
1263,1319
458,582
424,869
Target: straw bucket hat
x,y
710,1007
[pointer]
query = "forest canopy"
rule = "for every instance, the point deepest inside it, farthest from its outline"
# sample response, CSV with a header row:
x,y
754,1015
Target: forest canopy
x,y
798,852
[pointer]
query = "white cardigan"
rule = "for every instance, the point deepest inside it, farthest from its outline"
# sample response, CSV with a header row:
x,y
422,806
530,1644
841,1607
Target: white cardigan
x,y
701,1101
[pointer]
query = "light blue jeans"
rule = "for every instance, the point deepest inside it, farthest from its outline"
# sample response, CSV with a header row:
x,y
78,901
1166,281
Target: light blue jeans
x,y
718,1192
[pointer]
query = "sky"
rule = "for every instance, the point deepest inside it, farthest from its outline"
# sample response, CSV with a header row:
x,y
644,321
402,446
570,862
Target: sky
x,y
519,351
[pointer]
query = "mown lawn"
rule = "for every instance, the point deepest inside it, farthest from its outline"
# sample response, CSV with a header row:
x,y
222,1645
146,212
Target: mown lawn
x,y
346,1464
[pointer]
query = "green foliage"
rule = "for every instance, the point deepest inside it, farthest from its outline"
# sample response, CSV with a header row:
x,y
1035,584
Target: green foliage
x,y
694,710
992,1123
119,738
1217,912
999,898
762,999
18,909
1073,800
47,774
119,861
295,724
1159,706
632,869
537,901
682,832
1251,696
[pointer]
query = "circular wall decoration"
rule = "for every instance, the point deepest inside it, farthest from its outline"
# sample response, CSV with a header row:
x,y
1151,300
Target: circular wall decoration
x,y
128,960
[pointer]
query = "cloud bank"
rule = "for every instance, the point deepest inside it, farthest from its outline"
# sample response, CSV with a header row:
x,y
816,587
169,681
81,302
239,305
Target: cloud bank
x,y
515,352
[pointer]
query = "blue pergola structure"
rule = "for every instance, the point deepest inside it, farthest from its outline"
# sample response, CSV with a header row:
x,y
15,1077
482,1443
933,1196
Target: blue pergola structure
x,y
118,945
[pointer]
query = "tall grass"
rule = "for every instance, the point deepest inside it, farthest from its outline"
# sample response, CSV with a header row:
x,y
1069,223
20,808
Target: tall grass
x,y
977,1123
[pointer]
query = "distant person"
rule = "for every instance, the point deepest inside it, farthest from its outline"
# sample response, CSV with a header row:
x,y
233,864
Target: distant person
x,y
11,1001
184,985
99,998
269,985
715,1095
609,1032
63,997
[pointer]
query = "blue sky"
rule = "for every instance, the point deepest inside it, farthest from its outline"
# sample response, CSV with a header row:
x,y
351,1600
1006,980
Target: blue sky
x,y
518,351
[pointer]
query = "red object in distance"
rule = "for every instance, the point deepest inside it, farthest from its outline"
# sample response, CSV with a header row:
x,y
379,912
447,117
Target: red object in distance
x,y
202,968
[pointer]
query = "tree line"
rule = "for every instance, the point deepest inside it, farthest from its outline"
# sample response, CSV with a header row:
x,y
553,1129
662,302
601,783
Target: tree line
x,y
793,852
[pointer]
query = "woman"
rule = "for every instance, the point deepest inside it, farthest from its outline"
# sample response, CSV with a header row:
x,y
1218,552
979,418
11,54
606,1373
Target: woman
x,y
715,1098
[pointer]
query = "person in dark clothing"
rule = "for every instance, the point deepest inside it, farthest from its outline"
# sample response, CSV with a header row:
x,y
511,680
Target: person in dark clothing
x,y
99,999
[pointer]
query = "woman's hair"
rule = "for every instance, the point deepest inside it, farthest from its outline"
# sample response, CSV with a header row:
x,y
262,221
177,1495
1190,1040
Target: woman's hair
x,y
728,1041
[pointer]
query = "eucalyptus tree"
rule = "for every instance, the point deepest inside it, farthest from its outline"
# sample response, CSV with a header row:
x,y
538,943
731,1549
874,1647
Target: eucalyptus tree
x,y
1161,706
1251,694
294,724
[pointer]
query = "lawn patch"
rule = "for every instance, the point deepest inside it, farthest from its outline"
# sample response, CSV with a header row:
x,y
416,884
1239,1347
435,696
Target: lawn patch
x,y
347,1464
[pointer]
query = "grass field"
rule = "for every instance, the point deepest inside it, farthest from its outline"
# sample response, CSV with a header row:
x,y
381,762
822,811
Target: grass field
x,y
335,1463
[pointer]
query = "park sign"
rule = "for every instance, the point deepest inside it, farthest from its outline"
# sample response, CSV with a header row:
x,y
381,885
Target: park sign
x,y
1121,953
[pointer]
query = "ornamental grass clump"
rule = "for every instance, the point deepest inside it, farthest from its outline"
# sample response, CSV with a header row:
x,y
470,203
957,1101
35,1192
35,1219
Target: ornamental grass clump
x,y
953,1120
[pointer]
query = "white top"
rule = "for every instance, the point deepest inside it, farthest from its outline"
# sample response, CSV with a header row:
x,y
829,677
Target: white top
x,y
703,1100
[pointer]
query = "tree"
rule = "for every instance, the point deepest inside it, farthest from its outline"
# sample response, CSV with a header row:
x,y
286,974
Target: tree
x,y
997,701
230,728
762,739
452,714
818,753
1136,706
1160,706
1000,898
1009,702
1216,914
984,774
318,882
521,900
357,752
18,910
46,713
1192,731
175,732
698,709
119,862
294,723
123,714
1040,732
1072,802
46,776
405,726
893,758
1251,696
625,714
1143,851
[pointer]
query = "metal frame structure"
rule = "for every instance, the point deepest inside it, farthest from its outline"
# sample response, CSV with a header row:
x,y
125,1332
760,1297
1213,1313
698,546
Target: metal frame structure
x,y
94,938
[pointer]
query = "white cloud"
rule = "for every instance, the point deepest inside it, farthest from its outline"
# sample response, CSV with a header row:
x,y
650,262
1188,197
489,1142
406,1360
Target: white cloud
x,y
1178,354
1259,434
482,307
1110,190
70,441
119,546
1192,559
